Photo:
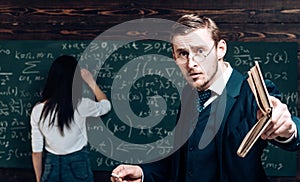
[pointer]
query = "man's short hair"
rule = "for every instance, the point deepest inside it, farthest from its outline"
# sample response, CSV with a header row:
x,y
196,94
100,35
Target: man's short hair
x,y
191,22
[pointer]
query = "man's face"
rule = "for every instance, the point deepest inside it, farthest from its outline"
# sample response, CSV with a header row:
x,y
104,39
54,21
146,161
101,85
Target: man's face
x,y
195,54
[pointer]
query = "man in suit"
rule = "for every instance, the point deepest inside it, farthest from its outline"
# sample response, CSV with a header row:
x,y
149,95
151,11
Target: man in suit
x,y
210,141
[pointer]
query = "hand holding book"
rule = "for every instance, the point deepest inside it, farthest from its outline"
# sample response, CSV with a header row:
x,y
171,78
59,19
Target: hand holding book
x,y
275,121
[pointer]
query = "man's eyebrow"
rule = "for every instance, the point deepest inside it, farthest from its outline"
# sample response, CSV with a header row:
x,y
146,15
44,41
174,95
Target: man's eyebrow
x,y
198,46
181,49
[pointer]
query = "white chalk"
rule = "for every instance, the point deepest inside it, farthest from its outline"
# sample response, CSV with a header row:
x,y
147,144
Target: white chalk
x,y
115,175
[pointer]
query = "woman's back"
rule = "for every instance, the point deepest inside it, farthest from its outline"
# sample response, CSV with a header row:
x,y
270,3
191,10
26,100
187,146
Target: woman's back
x,y
60,120
75,137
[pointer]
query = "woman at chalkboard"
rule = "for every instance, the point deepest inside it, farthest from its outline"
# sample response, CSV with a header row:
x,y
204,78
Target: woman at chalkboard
x,y
58,123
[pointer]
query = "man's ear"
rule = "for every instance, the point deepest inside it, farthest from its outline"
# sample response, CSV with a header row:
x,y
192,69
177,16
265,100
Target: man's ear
x,y
173,54
221,49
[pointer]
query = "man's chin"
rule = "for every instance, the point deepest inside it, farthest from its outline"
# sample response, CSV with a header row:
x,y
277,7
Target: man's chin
x,y
199,86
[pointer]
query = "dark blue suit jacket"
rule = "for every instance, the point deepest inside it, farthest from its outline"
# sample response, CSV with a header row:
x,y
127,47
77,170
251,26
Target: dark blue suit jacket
x,y
235,115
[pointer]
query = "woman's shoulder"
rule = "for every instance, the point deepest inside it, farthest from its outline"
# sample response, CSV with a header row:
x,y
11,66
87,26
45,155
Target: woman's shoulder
x,y
38,106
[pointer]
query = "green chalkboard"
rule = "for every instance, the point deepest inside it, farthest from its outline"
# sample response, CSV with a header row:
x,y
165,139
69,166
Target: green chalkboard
x,y
142,82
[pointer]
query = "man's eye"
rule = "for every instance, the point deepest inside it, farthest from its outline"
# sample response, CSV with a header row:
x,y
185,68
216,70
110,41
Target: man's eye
x,y
183,54
200,51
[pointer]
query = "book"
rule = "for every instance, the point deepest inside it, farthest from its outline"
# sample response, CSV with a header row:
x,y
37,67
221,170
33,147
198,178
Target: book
x,y
258,87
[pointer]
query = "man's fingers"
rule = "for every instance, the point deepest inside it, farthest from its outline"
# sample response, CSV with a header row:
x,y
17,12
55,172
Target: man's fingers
x,y
281,124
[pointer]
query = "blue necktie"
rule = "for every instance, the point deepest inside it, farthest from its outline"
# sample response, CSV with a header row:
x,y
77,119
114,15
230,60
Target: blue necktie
x,y
203,96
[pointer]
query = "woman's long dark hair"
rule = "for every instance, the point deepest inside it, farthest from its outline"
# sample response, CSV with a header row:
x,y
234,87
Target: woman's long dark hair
x,y
62,92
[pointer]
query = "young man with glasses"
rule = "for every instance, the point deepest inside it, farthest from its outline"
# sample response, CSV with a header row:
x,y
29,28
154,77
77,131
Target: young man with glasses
x,y
229,111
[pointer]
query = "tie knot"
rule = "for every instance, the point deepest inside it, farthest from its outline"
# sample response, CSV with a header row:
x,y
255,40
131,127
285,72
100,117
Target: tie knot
x,y
203,96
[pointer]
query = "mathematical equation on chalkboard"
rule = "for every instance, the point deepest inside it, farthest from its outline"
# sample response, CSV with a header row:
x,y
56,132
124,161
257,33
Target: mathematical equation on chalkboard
x,y
278,63
274,166
143,83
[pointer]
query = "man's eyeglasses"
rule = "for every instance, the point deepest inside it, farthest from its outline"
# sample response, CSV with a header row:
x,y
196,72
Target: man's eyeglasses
x,y
198,57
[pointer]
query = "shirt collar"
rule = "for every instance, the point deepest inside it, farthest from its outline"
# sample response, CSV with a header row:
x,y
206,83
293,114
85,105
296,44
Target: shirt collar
x,y
218,86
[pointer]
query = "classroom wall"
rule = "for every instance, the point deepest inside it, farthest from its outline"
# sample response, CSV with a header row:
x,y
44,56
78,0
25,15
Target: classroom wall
x,y
252,20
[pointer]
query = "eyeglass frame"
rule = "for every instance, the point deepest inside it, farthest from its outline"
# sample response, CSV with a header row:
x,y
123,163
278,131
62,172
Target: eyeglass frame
x,y
197,54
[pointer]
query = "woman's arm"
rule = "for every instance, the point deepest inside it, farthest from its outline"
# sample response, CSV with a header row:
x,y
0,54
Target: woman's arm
x,y
37,165
89,80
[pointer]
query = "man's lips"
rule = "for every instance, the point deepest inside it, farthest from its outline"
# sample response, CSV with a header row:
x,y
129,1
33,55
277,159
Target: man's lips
x,y
194,75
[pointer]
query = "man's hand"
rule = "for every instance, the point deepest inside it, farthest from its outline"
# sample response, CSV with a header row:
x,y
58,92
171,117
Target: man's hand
x,y
281,124
127,173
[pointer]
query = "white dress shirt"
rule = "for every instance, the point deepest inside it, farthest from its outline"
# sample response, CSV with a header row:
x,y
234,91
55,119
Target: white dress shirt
x,y
75,138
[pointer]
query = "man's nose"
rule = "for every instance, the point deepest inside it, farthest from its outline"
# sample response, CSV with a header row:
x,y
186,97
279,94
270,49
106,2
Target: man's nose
x,y
191,62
